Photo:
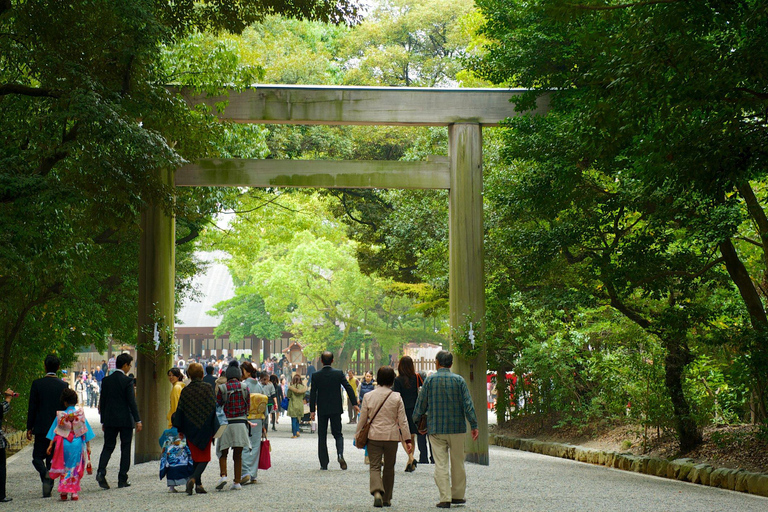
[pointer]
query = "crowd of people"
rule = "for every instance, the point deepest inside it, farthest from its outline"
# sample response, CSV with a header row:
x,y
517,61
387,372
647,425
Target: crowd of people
x,y
228,408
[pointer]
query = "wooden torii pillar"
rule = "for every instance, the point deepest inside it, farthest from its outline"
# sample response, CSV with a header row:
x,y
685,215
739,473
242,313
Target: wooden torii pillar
x,y
157,273
466,282
463,111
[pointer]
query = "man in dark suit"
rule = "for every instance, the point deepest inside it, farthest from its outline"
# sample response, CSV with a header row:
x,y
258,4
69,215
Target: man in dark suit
x,y
44,401
326,395
119,413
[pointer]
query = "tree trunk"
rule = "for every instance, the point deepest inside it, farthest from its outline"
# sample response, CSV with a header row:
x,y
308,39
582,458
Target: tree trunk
x,y
678,356
378,357
344,357
759,320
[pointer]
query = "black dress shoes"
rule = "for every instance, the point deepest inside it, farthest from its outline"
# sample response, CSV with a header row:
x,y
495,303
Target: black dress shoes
x,y
6,500
102,480
120,485
47,487
342,462
444,504
457,501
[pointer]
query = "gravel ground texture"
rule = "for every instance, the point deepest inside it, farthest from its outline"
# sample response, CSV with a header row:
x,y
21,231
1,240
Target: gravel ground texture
x,y
514,480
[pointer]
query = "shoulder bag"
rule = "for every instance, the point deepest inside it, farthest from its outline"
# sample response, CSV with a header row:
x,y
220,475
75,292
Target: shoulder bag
x,y
361,438
421,427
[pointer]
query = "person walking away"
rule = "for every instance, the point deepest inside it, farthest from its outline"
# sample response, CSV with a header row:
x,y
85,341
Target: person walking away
x,y
276,399
284,388
5,406
70,445
195,417
446,401
257,414
176,378
325,397
209,378
44,403
422,439
269,390
310,372
235,399
407,384
385,410
119,415
296,392
350,410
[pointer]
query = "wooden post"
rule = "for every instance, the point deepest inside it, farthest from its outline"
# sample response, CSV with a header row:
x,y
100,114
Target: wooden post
x,y
466,282
157,271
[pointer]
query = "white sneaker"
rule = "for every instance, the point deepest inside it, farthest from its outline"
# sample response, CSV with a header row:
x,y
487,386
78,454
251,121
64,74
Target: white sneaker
x,y
236,487
222,483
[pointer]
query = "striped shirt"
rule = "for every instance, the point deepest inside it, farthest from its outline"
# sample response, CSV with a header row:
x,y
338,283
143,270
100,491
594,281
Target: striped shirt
x,y
446,401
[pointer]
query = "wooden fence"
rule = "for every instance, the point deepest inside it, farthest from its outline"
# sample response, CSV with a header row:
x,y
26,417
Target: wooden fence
x,y
421,364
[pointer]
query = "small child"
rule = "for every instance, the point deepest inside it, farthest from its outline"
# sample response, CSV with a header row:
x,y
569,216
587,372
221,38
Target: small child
x,y
70,445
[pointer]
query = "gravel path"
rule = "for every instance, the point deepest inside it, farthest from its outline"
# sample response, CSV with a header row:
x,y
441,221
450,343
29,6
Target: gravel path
x,y
515,480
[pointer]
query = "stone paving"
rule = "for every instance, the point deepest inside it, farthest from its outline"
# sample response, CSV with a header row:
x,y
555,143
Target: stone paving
x,y
514,480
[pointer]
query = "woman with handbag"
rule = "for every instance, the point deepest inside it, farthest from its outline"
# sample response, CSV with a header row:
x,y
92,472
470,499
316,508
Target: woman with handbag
x,y
276,398
381,427
407,384
256,417
195,417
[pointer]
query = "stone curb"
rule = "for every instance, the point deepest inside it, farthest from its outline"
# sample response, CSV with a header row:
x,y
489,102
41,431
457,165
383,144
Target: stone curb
x,y
685,470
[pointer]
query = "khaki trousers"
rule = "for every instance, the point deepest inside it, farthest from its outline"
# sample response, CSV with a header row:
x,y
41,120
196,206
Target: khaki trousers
x,y
385,484
447,447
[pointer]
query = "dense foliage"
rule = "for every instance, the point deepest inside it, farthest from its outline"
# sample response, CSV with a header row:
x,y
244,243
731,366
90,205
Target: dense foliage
x,y
87,126
642,188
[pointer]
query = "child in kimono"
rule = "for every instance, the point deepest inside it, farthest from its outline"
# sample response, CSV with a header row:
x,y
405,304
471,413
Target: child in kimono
x,y
70,436
176,464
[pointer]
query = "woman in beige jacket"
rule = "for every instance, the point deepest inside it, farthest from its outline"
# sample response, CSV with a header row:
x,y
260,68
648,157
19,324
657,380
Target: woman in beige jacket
x,y
388,428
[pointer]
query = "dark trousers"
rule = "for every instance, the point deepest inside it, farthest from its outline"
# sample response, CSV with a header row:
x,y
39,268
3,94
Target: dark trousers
x,y
197,472
41,460
2,473
424,456
110,442
322,434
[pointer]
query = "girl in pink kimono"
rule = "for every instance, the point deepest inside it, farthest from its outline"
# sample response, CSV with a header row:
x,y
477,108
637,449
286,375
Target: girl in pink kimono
x,y
70,445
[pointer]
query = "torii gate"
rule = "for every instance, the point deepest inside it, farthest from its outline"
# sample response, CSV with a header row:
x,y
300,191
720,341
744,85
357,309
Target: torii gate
x,y
463,111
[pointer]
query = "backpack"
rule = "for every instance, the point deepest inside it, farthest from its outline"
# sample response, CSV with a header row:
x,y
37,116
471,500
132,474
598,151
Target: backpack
x,y
225,392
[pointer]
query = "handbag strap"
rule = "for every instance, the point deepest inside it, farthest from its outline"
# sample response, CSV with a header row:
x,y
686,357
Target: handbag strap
x,y
377,410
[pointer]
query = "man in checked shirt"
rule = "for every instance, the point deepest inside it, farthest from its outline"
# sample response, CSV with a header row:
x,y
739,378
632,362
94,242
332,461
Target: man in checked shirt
x,y
446,401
